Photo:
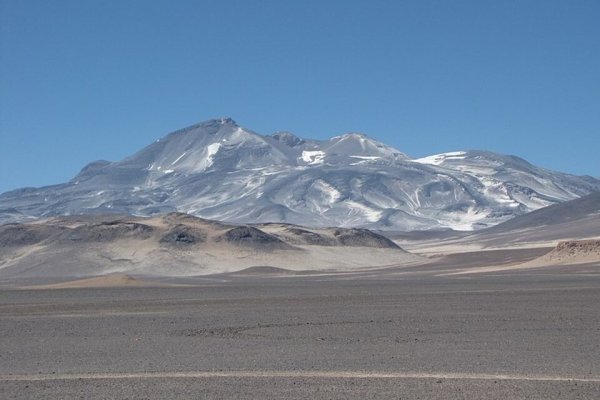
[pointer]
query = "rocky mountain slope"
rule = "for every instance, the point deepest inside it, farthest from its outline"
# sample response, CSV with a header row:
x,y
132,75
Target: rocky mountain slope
x,y
222,171
570,221
574,219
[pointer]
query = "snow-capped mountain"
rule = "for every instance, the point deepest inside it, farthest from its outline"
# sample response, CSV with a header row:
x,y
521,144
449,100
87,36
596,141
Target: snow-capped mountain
x,y
220,170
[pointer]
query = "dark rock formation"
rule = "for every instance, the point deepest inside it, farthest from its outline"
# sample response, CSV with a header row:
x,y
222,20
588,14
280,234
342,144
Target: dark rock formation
x,y
183,235
363,238
250,236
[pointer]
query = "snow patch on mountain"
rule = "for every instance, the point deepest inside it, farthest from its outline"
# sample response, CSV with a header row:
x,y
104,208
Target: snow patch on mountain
x,y
438,159
179,158
330,193
313,157
211,150
362,211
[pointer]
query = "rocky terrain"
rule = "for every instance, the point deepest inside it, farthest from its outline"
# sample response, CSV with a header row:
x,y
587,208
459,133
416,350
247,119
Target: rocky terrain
x,y
574,252
181,245
572,220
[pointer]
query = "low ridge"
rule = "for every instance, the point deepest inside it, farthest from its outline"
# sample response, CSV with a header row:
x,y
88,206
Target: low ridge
x,y
181,245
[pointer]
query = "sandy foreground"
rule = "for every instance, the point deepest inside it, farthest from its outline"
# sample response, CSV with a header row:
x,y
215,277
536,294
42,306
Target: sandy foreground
x,y
346,263
376,334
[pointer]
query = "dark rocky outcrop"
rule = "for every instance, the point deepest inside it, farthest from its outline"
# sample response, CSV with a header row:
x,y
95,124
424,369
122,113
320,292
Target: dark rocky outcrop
x,y
310,238
26,234
363,238
108,231
250,236
578,247
183,235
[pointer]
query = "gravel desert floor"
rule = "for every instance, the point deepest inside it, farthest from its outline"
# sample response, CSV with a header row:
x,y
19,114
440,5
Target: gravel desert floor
x,y
511,334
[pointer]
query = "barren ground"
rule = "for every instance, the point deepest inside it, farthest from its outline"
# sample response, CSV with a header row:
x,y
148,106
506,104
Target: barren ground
x,y
393,333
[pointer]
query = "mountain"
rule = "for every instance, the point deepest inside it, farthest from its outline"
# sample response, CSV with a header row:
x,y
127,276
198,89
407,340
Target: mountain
x,y
572,220
178,244
539,230
574,212
222,171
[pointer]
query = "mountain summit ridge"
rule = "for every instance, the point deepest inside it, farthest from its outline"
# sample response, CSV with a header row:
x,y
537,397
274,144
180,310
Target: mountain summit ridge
x,y
219,170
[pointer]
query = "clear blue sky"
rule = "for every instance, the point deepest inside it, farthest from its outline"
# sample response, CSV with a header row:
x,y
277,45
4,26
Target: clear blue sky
x,y
85,80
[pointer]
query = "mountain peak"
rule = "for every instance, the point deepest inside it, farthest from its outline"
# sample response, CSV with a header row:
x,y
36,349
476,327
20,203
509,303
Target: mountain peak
x,y
351,135
222,121
288,138
227,121
359,144
209,126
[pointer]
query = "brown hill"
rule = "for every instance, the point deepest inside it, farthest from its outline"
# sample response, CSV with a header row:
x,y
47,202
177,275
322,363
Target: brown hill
x,y
182,245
